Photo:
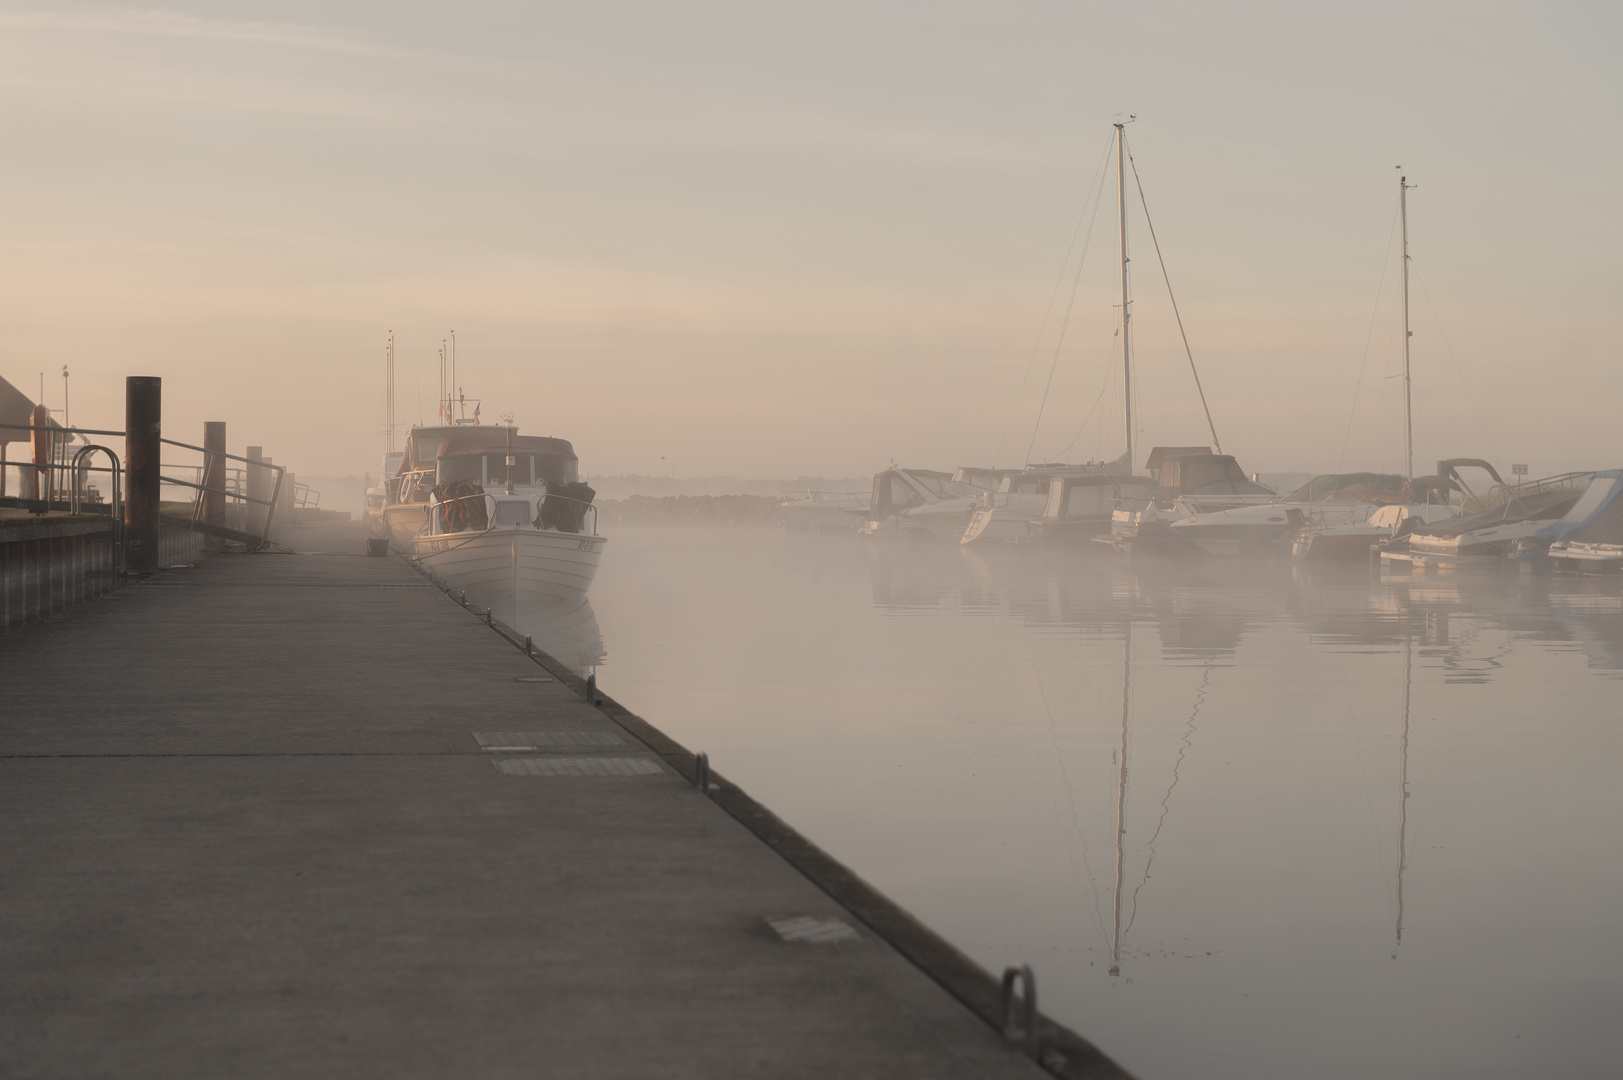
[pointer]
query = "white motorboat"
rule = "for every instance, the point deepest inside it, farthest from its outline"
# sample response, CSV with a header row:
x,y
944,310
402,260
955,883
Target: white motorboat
x,y
1337,513
497,515
1485,536
826,510
918,502
1194,483
1054,503
1336,534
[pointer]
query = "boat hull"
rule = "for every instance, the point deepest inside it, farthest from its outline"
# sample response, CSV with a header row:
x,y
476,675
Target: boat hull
x,y
403,521
512,570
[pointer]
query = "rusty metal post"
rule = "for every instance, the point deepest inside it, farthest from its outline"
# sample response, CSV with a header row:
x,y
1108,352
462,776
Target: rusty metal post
x,y
29,486
143,434
214,471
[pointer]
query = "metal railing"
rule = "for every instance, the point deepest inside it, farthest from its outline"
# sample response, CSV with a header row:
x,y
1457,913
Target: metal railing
x,y
62,484
214,460
115,507
55,481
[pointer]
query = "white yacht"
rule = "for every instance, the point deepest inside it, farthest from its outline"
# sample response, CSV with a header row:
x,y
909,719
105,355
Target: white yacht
x,y
500,516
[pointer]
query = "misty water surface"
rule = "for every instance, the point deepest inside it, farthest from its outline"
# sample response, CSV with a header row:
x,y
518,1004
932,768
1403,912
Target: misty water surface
x,y
951,724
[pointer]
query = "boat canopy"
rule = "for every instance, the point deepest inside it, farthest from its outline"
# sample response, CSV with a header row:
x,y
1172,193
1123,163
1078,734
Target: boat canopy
x,y
1162,454
1368,486
1539,506
1204,474
1597,516
895,490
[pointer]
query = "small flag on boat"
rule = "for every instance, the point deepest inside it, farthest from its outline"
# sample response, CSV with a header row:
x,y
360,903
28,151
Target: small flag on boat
x,y
476,412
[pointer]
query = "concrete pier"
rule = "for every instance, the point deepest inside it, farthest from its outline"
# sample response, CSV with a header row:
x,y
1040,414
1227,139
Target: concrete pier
x,y
255,827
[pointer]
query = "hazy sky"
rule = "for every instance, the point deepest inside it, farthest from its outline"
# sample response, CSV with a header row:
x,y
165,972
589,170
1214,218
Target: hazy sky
x,y
771,239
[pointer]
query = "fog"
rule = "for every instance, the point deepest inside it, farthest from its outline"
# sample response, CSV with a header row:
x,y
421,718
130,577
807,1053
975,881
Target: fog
x,y
722,239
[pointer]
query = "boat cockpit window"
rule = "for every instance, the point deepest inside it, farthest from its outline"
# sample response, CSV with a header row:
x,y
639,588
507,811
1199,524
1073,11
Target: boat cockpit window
x,y
468,467
511,512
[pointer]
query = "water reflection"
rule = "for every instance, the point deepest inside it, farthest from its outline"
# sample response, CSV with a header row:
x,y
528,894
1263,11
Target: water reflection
x,y
1202,608
566,629
1284,813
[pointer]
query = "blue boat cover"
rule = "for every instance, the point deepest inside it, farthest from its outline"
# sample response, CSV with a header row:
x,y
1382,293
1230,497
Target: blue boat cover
x,y
1597,516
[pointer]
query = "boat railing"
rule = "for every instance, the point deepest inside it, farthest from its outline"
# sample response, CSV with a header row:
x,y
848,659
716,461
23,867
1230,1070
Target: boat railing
x,y
431,527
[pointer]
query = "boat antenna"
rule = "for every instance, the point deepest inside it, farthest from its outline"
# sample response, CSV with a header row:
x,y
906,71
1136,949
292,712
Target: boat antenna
x,y
455,386
1126,310
389,392
1408,415
1164,277
511,460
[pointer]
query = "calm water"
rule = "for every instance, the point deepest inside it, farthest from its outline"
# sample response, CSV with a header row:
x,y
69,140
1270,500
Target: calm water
x,y
1368,826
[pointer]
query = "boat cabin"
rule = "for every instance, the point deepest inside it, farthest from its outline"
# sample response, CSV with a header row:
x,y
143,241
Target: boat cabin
x,y
1203,475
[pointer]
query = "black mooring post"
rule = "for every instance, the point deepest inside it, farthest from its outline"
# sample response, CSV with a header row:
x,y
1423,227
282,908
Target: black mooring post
x,y
143,434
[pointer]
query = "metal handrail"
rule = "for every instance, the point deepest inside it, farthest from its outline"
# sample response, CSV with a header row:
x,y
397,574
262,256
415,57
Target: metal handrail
x,y
203,489
116,507
59,428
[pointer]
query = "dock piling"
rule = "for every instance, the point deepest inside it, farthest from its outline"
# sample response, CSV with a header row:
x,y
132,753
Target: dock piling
x,y
214,472
701,772
143,437
529,646
591,690
258,483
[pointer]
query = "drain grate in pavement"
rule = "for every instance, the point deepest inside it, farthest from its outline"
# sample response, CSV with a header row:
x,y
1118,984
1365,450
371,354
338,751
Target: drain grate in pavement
x,y
534,740
811,929
578,766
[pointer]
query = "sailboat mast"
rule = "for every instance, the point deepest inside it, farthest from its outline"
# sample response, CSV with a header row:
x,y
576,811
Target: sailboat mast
x,y
1126,312
1408,416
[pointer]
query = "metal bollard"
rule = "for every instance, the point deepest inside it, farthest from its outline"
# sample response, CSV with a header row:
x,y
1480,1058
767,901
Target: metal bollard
x,y
591,690
489,618
529,647
1033,1035
701,772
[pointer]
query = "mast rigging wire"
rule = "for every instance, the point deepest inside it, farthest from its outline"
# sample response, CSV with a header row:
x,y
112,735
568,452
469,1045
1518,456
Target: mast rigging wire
x,y
1164,277
1058,281
1110,381
1070,305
